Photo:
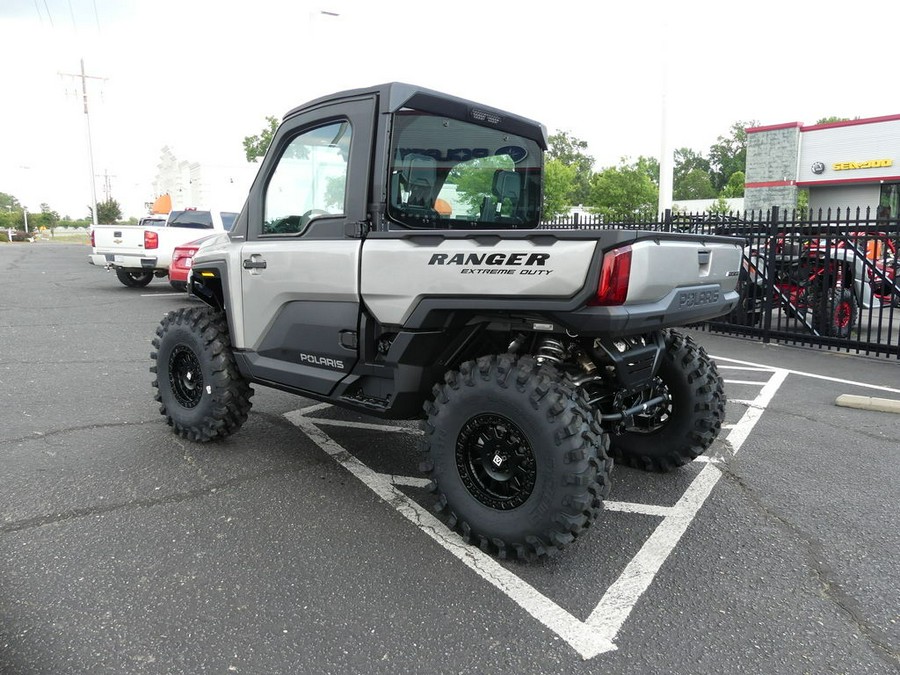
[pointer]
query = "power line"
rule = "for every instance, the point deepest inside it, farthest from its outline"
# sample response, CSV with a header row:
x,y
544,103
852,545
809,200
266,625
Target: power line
x,y
72,12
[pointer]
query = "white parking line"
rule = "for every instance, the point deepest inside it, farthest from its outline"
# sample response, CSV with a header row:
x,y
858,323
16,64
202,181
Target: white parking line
x,y
815,376
596,635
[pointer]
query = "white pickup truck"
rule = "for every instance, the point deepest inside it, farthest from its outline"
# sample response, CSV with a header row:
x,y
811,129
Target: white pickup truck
x,y
138,253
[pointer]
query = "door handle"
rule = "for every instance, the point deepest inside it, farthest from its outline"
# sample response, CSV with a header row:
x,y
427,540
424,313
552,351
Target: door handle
x,y
251,264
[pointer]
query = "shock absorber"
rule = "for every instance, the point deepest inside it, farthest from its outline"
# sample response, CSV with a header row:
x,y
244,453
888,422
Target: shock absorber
x,y
552,351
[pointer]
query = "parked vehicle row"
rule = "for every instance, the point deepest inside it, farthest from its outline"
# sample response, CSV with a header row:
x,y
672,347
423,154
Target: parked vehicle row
x,y
139,253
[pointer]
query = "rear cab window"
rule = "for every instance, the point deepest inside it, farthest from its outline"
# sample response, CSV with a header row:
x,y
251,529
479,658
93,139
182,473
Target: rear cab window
x,y
450,174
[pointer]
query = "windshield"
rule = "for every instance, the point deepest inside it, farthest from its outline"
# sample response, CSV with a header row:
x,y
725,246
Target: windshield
x,y
446,173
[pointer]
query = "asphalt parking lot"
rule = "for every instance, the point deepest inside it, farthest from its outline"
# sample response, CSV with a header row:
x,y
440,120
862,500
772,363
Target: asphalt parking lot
x,y
305,543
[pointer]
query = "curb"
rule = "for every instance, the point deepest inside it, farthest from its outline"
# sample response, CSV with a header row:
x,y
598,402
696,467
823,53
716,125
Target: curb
x,y
868,403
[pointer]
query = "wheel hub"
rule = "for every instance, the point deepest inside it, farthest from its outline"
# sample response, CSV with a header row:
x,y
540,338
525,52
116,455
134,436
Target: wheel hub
x,y
495,461
185,377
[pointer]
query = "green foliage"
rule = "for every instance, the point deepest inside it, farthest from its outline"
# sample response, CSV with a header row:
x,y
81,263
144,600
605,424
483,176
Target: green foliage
x,y
256,146
474,179
719,207
625,193
802,203
695,184
572,152
108,211
691,179
649,166
559,180
832,120
729,154
8,202
735,185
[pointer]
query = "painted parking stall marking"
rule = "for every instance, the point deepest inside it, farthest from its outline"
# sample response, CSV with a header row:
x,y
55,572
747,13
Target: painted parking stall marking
x,y
595,635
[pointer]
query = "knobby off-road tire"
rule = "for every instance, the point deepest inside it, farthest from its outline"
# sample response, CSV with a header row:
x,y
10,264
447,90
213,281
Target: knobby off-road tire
x,y
678,431
833,311
201,393
134,278
516,457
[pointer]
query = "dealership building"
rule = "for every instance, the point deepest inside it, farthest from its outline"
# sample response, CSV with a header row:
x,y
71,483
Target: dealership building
x,y
844,165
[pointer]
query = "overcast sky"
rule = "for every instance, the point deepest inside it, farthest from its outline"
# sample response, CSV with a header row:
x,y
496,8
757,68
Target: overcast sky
x,y
200,75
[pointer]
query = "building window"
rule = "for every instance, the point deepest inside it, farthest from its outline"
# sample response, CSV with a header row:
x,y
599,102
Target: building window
x,y
889,203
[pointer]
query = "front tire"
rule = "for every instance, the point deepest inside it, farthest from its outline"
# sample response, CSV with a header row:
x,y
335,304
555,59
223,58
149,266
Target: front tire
x,y
201,393
515,455
676,432
134,278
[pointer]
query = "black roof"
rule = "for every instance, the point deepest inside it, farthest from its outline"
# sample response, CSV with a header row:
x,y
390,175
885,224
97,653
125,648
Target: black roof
x,y
394,96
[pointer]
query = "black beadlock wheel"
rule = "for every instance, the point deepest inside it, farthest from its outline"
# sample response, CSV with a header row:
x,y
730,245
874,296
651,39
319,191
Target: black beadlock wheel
x,y
833,311
134,278
516,456
677,432
201,393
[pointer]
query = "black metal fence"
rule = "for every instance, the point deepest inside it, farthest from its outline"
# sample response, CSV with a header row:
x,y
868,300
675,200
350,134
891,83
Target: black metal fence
x,y
828,279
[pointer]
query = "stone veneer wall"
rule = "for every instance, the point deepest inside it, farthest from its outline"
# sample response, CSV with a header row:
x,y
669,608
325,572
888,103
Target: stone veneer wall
x,y
772,156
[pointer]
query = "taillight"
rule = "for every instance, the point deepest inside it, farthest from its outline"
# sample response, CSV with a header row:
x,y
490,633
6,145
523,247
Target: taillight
x,y
613,287
151,239
93,241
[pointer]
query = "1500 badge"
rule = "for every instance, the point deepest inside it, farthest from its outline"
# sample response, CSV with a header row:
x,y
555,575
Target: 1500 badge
x,y
696,298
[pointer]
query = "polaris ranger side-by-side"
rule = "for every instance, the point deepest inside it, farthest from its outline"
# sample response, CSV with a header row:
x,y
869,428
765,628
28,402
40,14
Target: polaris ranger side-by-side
x,y
388,259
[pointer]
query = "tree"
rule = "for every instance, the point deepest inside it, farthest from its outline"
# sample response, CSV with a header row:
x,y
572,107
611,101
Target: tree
x,y
256,146
559,179
729,154
691,177
735,185
8,202
696,184
832,120
626,192
572,151
108,211
49,218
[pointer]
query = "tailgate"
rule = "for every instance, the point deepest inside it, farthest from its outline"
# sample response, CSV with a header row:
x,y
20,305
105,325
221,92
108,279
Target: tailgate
x,y
119,239
660,265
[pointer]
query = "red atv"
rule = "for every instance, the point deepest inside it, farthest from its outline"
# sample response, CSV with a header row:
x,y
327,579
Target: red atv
x,y
822,281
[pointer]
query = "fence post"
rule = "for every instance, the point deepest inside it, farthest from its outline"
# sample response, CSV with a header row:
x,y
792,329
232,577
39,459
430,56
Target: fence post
x,y
667,220
769,277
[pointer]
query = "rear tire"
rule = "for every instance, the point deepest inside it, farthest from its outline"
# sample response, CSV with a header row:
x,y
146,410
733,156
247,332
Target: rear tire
x,y
134,278
677,432
180,286
515,455
833,311
201,393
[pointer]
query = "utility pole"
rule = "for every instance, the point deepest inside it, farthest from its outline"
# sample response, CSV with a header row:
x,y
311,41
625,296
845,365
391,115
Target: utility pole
x,y
87,118
107,184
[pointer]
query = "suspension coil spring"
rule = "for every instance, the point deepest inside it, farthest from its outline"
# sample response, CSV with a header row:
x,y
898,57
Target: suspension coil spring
x,y
552,350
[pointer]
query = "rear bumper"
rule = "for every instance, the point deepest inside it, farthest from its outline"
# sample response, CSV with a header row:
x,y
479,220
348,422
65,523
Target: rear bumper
x,y
681,307
108,260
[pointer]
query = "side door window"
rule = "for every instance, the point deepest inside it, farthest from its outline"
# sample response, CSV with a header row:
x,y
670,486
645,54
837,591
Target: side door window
x,y
309,181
